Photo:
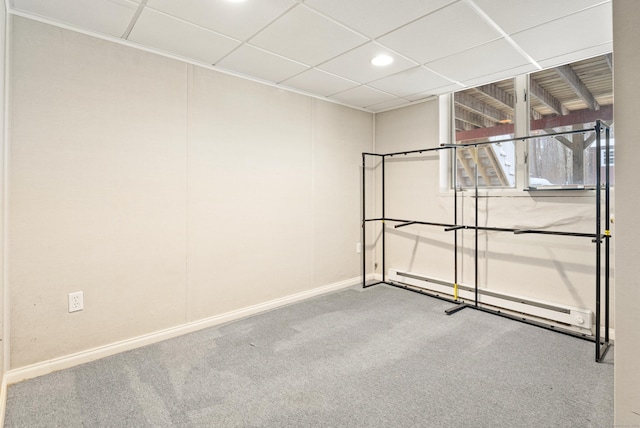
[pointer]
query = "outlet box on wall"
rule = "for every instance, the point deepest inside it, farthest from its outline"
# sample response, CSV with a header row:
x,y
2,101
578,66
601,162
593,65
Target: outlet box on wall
x,y
76,301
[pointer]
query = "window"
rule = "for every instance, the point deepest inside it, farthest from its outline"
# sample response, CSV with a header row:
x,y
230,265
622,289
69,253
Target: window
x,y
486,113
569,98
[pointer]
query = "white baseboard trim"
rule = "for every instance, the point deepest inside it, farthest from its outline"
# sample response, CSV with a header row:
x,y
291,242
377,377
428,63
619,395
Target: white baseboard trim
x,y
67,361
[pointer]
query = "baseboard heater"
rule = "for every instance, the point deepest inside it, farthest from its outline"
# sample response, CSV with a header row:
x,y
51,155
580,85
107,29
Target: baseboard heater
x,y
579,319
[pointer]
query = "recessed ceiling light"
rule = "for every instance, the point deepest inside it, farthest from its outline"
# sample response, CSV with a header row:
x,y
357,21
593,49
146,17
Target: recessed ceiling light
x,y
382,60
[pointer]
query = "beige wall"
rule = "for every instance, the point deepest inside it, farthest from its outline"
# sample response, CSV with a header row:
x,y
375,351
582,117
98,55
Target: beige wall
x,y
626,34
3,18
412,191
166,192
559,270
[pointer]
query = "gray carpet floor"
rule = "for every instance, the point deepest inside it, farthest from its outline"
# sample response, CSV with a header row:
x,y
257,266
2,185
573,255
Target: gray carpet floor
x,y
380,357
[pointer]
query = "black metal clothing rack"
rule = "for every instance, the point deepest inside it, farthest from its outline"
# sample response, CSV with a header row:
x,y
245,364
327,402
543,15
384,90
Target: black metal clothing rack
x,y
598,237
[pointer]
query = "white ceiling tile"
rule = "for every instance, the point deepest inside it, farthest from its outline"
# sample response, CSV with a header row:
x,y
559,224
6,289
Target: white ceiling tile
x,y
490,58
437,91
409,82
517,15
381,16
449,37
318,82
307,37
501,75
362,96
387,105
583,30
577,55
163,32
356,64
110,17
261,64
238,20
455,28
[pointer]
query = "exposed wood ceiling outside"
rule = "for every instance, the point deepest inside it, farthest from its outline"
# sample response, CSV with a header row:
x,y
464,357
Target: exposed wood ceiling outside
x,y
565,96
585,85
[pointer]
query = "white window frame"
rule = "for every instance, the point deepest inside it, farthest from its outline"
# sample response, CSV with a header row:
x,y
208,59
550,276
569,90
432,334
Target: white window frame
x,y
521,119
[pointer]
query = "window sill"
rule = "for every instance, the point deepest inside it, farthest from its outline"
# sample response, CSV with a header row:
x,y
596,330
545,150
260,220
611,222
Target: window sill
x,y
585,192
565,187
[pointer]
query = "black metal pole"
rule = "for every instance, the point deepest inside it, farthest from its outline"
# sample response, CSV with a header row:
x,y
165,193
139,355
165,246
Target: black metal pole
x,y
383,224
598,239
364,216
550,232
476,144
455,222
607,213
476,227
507,140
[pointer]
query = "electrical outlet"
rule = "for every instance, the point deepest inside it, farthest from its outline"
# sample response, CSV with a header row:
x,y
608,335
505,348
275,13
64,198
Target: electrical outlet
x,y
358,248
76,301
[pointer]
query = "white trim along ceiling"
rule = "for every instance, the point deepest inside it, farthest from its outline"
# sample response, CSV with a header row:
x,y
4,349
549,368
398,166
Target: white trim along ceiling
x,y
324,48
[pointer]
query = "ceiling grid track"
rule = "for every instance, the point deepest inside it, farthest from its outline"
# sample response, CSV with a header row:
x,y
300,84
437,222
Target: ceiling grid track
x,y
134,19
323,48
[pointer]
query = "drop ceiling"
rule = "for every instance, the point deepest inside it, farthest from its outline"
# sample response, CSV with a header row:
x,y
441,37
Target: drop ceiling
x,y
324,47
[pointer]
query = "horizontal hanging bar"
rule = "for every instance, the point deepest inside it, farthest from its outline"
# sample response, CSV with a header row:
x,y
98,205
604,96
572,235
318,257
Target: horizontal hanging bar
x,y
493,229
449,229
405,224
507,140
426,223
410,152
445,146
550,232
